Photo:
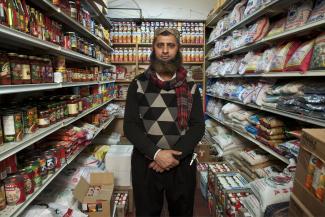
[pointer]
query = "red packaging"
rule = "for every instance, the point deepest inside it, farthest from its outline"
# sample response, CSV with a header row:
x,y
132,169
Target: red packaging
x,y
61,151
11,164
14,189
56,154
28,176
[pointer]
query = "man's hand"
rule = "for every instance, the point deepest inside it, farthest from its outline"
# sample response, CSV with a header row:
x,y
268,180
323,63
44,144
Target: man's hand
x,y
166,160
155,166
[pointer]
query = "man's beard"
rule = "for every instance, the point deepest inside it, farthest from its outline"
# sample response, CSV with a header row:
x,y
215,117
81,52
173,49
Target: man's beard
x,y
167,68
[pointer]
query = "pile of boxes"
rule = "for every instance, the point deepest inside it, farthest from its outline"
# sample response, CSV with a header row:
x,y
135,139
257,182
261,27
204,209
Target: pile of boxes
x,y
308,194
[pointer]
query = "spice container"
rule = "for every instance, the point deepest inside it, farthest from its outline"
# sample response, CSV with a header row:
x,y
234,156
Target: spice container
x,y
35,69
27,174
14,189
5,75
12,126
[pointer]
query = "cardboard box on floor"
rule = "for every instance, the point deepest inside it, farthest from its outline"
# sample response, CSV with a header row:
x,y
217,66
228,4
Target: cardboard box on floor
x,y
203,153
106,181
129,189
312,144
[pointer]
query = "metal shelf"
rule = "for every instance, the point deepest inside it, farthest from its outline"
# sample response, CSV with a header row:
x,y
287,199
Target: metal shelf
x,y
123,63
303,30
26,40
55,12
252,139
97,14
123,81
313,73
296,116
11,148
119,99
213,19
9,89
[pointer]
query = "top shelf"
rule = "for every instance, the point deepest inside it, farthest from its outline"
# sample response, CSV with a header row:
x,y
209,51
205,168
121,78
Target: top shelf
x,y
98,14
213,19
55,12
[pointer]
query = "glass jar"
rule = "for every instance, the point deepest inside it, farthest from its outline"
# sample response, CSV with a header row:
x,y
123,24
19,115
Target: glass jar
x,y
35,68
73,106
43,118
1,135
29,122
73,40
5,75
12,126
42,69
56,2
52,111
73,9
26,77
15,68
49,70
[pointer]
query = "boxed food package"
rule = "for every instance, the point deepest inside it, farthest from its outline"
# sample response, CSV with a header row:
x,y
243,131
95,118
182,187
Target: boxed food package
x,y
203,152
214,169
119,203
128,189
95,195
118,161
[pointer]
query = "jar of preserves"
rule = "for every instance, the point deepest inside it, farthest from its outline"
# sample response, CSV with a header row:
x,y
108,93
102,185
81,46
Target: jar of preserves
x,y
35,70
42,69
73,106
43,118
29,122
29,185
26,77
48,70
14,189
15,68
52,113
73,40
12,126
73,9
5,75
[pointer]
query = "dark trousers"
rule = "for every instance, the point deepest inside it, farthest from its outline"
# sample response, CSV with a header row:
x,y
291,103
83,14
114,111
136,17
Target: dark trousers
x,y
149,187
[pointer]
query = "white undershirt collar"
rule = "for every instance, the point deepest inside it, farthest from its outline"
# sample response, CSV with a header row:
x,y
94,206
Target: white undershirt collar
x,y
160,78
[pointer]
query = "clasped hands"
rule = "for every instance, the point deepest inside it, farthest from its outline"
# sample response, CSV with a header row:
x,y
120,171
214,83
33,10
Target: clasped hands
x,y
165,160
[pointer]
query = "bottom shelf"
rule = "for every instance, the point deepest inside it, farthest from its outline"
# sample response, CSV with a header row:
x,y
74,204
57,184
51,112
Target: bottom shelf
x,y
251,138
16,210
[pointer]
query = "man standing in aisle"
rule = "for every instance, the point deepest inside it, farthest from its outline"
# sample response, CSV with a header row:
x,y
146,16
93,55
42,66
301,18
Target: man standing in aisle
x,y
164,121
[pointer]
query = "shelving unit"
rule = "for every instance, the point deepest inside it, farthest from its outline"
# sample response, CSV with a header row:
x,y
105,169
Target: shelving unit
x,y
250,138
15,211
9,89
314,73
11,148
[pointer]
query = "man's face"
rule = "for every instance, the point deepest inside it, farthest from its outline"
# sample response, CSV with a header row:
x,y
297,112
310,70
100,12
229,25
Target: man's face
x,y
165,47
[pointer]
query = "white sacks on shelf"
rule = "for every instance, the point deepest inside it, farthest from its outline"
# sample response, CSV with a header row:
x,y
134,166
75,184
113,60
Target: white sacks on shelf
x,y
118,161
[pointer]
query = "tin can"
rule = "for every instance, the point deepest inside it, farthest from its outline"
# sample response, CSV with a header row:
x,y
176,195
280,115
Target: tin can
x,y
12,126
29,122
3,203
50,162
29,185
14,190
42,164
56,154
35,166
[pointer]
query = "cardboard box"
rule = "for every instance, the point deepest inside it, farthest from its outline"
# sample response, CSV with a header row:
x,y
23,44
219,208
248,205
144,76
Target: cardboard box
x,y
297,209
307,198
313,140
203,152
118,161
99,202
131,198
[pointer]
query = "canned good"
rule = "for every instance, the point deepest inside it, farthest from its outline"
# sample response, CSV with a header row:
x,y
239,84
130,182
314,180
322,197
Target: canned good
x,y
35,166
73,40
5,75
50,162
56,155
3,203
29,122
14,190
42,163
29,185
43,118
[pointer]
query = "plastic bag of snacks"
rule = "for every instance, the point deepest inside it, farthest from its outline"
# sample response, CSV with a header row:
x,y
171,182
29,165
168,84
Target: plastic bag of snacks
x,y
318,12
283,54
271,122
300,60
237,14
264,64
277,27
252,6
252,64
298,14
318,59
257,31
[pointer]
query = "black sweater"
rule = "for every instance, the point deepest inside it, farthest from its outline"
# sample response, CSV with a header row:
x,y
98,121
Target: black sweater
x,y
150,120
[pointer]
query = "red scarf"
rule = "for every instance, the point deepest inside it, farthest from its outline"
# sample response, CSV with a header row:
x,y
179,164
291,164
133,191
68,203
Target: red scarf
x,y
183,94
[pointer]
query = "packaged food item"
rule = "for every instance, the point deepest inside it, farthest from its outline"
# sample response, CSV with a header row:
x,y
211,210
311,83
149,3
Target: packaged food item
x,y
300,60
271,122
298,14
252,64
257,31
283,54
12,126
252,6
237,14
277,27
318,58
5,74
14,188
318,12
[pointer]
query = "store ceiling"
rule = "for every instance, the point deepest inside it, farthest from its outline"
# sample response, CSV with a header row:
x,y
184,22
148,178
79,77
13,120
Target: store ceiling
x,y
161,9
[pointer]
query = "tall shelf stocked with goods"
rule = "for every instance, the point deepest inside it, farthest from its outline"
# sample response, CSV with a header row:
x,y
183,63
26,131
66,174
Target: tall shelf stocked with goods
x,y
56,82
264,84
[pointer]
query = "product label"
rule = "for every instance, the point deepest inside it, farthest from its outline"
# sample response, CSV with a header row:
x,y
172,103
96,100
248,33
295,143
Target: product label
x,y
5,70
43,121
73,109
8,125
16,70
25,72
35,71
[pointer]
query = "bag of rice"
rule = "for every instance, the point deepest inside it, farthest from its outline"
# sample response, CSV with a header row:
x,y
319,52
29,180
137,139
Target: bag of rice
x,y
257,31
318,12
272,190
244,62
300,60
270,132
283,54
264,64
237,14
271,122
277,27
252,6
252,64
318,59
270,143
254,157
298,14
